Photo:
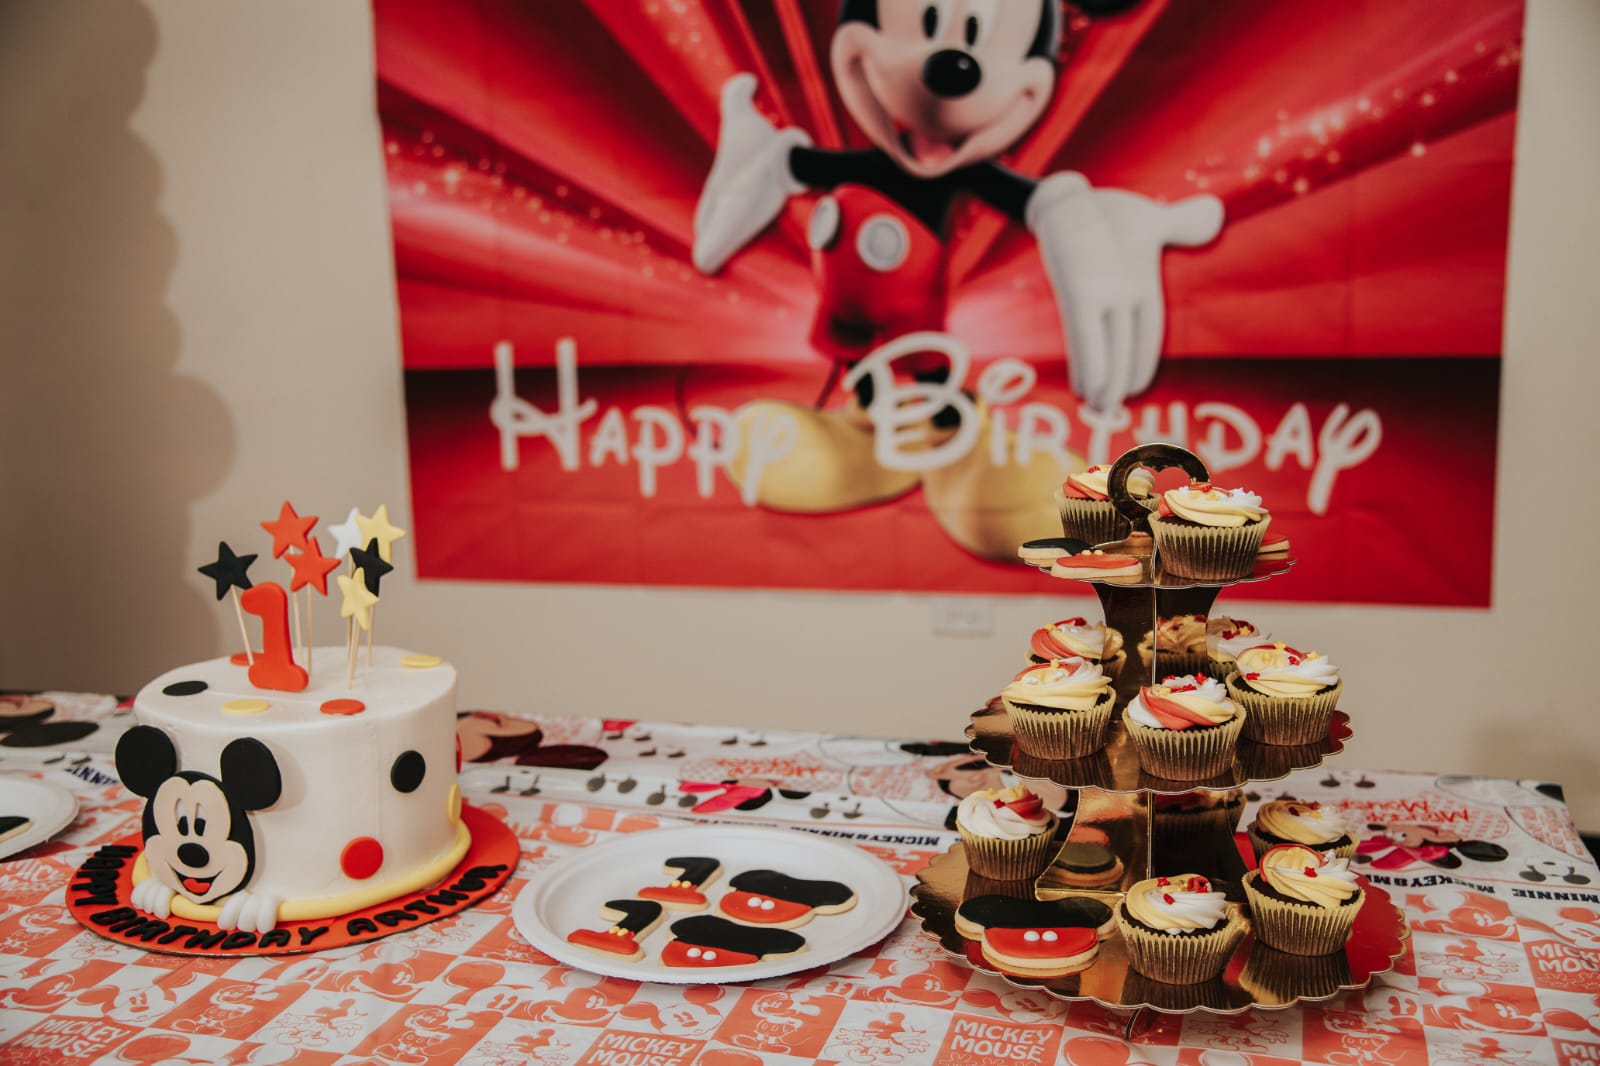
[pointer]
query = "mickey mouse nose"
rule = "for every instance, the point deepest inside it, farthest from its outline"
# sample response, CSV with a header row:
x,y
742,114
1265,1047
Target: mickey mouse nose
x,y
951,72
193,855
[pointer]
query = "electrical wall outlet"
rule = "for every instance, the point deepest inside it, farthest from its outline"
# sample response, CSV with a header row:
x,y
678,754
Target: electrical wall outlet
x,y
964,616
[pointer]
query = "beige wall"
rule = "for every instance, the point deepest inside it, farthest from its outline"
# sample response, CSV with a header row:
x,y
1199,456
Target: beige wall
x,y
197,321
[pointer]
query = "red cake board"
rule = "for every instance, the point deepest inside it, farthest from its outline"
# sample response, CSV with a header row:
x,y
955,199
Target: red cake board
x,y
490,858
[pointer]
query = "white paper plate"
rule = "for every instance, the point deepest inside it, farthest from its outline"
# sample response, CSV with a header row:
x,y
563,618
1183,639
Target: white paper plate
x,y
569,894
50,808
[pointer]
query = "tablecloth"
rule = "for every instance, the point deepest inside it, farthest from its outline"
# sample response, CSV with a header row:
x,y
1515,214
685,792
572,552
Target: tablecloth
x,y
1503,965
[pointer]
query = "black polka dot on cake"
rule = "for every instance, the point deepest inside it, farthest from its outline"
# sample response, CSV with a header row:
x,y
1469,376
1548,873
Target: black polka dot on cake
x,y
184,688
406,774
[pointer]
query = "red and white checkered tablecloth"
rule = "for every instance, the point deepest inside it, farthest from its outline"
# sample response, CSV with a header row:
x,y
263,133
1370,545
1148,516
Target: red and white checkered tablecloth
x,y
1504,963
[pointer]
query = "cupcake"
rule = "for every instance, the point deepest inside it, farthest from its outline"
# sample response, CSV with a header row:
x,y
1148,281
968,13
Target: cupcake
x,y
1060,709
1087,512
1178,930
1310,825
1177,644
1290,695
1185,729
1208,533
1226,638
1303,901
1076,638
1009,836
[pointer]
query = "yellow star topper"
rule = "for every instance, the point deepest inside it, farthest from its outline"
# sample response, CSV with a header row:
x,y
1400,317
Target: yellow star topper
x,y
358,602
379,528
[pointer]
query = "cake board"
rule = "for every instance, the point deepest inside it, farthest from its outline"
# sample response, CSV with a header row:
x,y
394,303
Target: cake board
x,y
98,898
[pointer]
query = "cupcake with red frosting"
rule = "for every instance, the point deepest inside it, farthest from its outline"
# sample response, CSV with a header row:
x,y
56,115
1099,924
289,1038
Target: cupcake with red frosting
x,y
1076,638
1303,901
1179,930
1060,709
1087,512
1321,827
1208,533
1008,834
1186,728
1225,639
1290,694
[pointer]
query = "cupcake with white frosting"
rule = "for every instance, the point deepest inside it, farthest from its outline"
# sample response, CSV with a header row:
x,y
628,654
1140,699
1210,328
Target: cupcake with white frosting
x,y
1087,512
1009,836
1321,827
1179,929
1208,533
1076,638
1289,694
1060,709
1186,728
1303,901
1226,638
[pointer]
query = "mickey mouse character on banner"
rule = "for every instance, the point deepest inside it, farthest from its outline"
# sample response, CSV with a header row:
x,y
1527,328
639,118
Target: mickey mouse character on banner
x,y
941,88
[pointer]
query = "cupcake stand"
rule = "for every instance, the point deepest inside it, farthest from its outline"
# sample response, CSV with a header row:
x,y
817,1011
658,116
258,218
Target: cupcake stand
x,y
1129,825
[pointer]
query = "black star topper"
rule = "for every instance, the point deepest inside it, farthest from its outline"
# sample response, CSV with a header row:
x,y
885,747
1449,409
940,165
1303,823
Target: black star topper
x,y
371,564
229,569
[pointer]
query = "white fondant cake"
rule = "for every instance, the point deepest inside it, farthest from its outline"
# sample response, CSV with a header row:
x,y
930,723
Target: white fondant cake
x,y
266,806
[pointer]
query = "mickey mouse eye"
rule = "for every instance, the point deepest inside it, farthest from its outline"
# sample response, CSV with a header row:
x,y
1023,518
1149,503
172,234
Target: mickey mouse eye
x,y
199,821
930,22
183,818
971,30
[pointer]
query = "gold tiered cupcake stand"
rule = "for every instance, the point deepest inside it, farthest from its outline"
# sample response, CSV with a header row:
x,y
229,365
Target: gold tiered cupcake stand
x,y
1129,825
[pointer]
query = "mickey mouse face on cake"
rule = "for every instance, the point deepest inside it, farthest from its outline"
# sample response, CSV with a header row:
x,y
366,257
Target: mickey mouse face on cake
x,y
197,834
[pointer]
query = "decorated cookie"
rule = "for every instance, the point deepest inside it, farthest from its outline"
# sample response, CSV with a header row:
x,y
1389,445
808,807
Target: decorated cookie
x,y
1036,938
1096,566
12,824
705,940
1008,912
767,897
686,890
1047,550
632,920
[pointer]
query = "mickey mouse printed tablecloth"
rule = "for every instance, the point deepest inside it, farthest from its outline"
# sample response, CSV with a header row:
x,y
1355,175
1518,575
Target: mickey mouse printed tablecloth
x,y
1502,900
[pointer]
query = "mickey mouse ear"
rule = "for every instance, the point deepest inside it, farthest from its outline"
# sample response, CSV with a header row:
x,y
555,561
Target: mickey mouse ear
x,y
250,774
145,758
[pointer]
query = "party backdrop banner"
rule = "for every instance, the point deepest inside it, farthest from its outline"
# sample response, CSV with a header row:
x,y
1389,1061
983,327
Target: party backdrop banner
x,y
834,293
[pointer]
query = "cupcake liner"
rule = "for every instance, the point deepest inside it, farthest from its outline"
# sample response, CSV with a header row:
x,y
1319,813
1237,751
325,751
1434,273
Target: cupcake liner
x,y
1260,844
1221,669
1274,977
1284,719
1209,553
1092,521
1049,733
1299,928
1180,958
999,859
1196,754
1174,663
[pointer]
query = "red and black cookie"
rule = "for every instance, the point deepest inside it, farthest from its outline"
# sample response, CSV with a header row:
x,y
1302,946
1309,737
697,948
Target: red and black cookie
x,y
767,897
1035,938
632,920
686,890
709,941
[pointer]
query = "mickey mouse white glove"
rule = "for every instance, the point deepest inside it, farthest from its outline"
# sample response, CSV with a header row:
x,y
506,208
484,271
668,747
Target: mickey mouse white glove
x,y
254,914
749,180
1102,252
152,896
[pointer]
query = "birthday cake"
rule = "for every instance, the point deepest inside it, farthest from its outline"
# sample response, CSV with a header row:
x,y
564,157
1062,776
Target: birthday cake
x,y
265,806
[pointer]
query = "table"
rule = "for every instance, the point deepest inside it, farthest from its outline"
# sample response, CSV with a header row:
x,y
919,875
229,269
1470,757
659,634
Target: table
x,y
1504,964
